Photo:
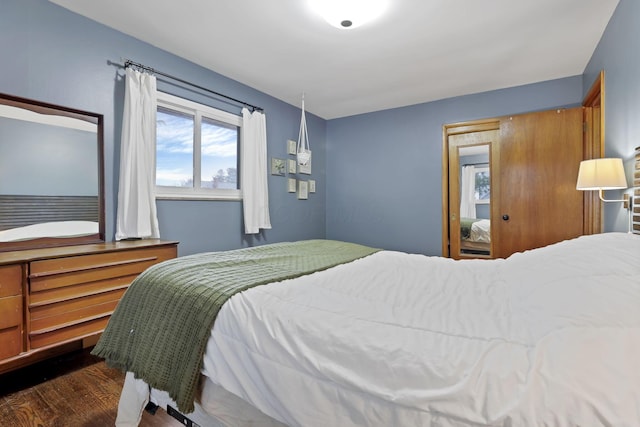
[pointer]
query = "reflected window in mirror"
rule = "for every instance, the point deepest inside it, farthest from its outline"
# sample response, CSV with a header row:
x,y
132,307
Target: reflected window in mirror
x,y
51,175
482,185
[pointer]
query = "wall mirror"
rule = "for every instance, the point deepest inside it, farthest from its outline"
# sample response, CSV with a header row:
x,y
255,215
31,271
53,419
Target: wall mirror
x,y
475,200
51,175
470,160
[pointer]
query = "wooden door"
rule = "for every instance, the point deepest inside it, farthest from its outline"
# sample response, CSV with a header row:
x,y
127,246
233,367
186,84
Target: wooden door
x,y
540,154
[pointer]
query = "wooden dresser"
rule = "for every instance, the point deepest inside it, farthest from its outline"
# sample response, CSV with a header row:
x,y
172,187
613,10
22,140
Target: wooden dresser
x,y
58,299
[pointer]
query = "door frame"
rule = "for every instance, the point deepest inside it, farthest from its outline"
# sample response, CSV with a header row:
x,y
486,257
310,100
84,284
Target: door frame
x,y
593,148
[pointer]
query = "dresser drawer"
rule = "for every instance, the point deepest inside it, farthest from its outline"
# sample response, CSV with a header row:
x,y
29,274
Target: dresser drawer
x,y
69,332
10,342
74,302
10,311
79,291
73,297
10,326
69,271
56,299
10,280
74,310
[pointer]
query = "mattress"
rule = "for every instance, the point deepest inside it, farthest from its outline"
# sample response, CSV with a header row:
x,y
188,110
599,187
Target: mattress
x,y
550,337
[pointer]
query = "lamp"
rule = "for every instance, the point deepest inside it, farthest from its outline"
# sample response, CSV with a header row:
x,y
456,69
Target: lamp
x,y
602,174
348,13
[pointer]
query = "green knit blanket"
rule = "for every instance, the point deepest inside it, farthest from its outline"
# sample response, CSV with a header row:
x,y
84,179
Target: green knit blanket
x,y
160,328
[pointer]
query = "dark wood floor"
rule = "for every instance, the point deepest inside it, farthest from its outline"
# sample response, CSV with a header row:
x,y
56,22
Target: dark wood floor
x,y
73,390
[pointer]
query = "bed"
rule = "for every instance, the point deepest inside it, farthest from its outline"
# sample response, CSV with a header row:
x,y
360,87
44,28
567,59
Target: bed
x,y
547,337
475,235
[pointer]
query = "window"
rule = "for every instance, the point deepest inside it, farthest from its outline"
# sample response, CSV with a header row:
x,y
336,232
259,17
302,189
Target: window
x,y
483,185
197,151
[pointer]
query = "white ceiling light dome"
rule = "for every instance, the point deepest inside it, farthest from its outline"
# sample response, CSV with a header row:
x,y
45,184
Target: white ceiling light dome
x,y
347,14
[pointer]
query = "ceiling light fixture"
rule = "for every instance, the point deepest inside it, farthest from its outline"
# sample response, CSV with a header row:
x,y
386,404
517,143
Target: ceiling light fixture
x,y
348,14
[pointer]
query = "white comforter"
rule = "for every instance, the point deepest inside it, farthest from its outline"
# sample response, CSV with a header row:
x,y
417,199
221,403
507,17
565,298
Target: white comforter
x,y
549,337
480,231
58,229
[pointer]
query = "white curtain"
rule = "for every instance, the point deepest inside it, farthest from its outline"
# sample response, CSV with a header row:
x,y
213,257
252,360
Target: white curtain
x,y
255,190
467,192
137,216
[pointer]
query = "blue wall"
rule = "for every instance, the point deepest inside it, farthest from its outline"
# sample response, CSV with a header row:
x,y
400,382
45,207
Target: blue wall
x,y
617,54
384,169
53,55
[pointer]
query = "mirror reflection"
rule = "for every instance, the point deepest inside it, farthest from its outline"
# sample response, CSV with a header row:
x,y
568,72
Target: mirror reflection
x,y
475,200
50,181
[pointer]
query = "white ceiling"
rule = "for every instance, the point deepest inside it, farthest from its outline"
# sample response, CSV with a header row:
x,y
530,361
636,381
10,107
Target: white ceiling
x,y
419,51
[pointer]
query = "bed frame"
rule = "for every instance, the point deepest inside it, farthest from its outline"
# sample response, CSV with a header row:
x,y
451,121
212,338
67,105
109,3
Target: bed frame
x,y
468,245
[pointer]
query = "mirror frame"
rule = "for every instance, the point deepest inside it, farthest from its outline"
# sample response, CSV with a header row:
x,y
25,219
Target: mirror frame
x,y
98,120
458,129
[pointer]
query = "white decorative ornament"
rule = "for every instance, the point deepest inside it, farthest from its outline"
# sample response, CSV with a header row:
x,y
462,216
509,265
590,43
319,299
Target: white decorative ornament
x,y
303,149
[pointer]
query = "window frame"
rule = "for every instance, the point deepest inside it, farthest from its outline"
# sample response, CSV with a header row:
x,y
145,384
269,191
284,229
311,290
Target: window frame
x,y
198,111
483,169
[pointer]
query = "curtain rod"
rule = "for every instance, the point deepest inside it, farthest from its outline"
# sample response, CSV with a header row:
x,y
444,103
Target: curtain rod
x,y
129,63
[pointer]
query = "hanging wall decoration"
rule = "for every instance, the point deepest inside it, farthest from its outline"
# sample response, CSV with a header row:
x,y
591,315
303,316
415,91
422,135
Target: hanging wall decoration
x,y
277,166
292,146
303,149
292,166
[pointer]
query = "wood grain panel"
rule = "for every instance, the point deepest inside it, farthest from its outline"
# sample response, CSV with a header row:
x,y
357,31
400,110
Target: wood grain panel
x,y
72,331
10,280
31,255
10,342
73,278
539,158
70,271
91,261
593,145
11,309
72,305
56,295
78,315
63,392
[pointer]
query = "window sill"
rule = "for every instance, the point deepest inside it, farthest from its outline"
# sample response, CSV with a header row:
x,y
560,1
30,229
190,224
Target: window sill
x,y
228,195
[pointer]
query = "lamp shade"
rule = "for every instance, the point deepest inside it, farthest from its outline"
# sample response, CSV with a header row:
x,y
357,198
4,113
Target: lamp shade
x,y
601,174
